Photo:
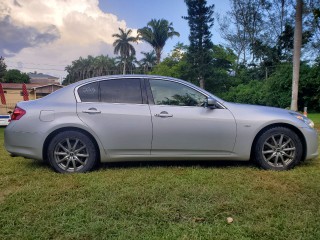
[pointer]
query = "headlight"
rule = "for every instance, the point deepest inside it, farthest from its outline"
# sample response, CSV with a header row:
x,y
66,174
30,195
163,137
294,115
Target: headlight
x,y
304,119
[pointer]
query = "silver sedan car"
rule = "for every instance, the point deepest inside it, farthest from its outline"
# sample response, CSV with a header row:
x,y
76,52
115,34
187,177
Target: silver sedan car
x,y
139,117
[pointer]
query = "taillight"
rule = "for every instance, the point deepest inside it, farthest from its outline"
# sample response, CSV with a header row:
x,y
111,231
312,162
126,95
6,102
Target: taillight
x,y
17,113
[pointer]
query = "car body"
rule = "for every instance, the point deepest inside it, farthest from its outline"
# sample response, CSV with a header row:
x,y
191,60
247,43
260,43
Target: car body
x,y
4,120
144,117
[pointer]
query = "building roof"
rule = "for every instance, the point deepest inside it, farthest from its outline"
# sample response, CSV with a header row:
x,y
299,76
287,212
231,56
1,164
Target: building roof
x,y
48,85
41,75
29,86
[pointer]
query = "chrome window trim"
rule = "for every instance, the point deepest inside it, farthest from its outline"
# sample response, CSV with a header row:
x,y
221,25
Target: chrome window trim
x,y
187,85
151,77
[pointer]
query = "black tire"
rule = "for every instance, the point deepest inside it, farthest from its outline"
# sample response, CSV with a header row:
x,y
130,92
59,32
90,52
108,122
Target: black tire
x,y
278,148
72,151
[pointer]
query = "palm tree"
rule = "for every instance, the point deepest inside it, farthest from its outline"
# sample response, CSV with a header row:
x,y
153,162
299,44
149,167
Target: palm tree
x,y
149,60
156,33
122,45
130,61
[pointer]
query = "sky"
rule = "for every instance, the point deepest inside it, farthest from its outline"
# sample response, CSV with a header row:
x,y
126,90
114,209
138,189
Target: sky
x,y
47,35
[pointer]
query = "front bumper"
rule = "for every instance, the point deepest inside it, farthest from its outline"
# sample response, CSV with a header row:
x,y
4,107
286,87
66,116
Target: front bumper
x,y
311,137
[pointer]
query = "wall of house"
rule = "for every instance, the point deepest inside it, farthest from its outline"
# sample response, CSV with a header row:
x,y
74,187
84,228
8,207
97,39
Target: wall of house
x,y
13,96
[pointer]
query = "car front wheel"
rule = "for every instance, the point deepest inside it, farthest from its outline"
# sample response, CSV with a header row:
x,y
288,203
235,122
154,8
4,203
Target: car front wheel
x,y
72,151
278,148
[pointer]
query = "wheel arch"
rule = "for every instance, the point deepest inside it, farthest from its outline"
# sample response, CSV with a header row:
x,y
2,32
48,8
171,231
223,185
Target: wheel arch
x,y
286,125
57,131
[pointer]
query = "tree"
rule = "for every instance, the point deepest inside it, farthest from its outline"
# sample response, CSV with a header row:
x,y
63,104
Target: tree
x,y
247,17
175,65
148,61
200,21
296,55
90,67
3,67
123,45
156,33
129,61
15,76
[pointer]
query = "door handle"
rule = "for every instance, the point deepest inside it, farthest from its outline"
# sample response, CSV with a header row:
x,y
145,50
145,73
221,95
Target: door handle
x,y
91,111
163,114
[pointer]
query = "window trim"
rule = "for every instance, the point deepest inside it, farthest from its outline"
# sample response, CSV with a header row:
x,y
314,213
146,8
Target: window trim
x,y
145,88
150,95
143,95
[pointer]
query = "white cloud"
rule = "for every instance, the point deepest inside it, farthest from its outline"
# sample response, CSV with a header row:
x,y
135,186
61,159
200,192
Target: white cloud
x,y
61,30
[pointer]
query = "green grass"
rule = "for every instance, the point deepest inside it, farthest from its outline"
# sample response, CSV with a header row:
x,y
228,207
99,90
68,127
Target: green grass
x,y
315,118
158,201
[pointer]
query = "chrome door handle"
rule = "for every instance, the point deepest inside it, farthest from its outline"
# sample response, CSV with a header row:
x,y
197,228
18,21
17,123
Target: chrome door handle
x,y
91,111
163,114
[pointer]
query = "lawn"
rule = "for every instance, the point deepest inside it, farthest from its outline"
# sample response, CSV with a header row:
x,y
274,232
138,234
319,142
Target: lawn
x,y
316,119
159,201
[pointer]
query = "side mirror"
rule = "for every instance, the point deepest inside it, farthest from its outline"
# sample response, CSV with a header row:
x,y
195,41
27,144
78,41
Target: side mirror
x,y
211,103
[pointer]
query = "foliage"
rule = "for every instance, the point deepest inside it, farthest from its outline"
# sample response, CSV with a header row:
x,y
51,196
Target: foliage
x,y
222,67
83,68
156,33
200,20
128,62
175,65
276,90
247,17
259,31
252,92
174,200
15,76
309,88
170,67
3,68
148,61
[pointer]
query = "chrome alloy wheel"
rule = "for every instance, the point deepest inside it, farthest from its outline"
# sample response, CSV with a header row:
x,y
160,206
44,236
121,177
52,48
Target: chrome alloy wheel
x,y
71,154
279,150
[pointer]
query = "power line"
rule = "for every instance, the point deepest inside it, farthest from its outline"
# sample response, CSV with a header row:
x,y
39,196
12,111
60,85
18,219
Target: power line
x,y
48,69
31,63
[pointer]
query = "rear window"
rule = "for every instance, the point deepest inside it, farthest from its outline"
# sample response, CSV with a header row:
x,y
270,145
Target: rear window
x,y
121,91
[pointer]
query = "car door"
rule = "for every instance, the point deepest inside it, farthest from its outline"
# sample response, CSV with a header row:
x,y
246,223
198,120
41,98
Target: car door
x,y
115,110
182,125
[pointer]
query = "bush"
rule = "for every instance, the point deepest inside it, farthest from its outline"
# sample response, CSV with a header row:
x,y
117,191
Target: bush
x,y
279,87
252,93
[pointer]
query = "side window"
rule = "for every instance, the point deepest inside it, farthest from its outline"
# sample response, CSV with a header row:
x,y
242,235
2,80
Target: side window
x,y
89,92
121,91
172,93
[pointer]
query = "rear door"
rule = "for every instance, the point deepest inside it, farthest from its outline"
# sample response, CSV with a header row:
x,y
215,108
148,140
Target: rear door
x,y
118,113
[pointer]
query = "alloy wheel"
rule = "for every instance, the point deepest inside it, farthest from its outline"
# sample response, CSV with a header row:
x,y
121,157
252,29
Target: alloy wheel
x,y
71,154
279,150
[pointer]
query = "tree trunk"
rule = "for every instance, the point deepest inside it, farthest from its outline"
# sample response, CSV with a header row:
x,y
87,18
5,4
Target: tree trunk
x,y
296,55
201,82
124,68
158,53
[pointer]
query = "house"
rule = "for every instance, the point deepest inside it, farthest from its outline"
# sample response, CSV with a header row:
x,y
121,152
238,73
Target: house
x,y
41,78
13,93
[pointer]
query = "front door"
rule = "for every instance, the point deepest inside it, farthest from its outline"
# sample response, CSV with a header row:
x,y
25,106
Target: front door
x,y
182,125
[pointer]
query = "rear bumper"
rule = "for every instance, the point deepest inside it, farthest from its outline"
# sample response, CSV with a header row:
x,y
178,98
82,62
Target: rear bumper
x,y
23,143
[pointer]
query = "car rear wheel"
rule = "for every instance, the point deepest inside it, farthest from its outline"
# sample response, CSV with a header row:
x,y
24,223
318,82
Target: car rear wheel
x,y
278,148
72,151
